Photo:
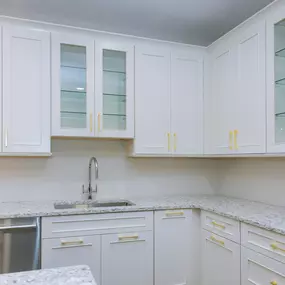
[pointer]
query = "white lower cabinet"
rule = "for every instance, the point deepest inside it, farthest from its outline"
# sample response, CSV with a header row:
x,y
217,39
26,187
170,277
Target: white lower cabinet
x,y
60,252
173,248
220,260
259,269
127,259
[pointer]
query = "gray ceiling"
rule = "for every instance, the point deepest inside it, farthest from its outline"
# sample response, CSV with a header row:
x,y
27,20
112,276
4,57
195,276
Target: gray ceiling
x,y
198,22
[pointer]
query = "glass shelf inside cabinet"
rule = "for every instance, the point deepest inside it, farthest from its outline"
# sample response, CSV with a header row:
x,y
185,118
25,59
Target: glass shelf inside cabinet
x,y
114,90
73,103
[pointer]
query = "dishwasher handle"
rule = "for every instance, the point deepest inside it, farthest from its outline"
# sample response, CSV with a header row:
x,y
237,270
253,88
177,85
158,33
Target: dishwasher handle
x,y
17,228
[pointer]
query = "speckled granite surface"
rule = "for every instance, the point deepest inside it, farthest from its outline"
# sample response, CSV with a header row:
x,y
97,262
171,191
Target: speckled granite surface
x,y
75,275
259,214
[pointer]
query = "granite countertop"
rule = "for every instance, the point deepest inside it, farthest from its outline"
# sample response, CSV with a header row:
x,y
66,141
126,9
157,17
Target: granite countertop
x,y
74,275
254,213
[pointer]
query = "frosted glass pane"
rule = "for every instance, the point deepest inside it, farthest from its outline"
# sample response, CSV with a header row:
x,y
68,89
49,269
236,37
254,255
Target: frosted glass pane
x,y
74,56
73,79
73,102
114,60
114,83
111,122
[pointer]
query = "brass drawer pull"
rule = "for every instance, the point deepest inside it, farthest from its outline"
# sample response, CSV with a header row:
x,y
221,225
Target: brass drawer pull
x,y
218,241
218,225
274,246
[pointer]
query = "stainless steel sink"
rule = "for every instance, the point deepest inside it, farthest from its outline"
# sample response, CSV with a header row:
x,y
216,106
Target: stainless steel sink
x,y
92,204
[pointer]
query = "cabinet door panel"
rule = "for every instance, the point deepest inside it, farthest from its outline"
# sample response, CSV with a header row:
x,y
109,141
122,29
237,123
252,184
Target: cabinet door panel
x,y
152,104
26,90
127,259
70,251
249,110
72,86
220,260
114,89
187,103
259,269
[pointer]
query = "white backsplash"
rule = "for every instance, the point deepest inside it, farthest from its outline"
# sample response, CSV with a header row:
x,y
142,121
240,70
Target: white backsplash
x,y
62,175
258,179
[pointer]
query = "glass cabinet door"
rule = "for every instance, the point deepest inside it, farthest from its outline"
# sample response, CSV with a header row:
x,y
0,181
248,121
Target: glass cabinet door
x,y
114,91
73,102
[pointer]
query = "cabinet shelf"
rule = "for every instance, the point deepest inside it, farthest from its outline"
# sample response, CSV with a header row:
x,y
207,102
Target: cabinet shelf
x,y
281,114
280,53
280,81
114,71
72,112
116,115
73,91
71,66
112,94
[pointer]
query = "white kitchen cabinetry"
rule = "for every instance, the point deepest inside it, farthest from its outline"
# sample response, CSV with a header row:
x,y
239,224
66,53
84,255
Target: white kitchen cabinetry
x,y
176,259
127,258
70,251
259,269
236,94
220,260
168,105
72,85
26,91
114,90
275,67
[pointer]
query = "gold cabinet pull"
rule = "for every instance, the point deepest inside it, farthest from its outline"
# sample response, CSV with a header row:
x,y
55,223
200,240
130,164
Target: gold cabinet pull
x,y
231,140
274,246
218,225
218,241
174,139
91,122
235,139
174,213
127,238
71,242
6,138
168,141
273,283
99,122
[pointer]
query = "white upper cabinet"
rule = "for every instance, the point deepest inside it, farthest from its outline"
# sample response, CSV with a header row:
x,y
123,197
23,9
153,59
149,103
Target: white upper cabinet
x,y
114,90
72,85
26,90
236,122
168,103
187,103
275,66
219,119
249,107
152,102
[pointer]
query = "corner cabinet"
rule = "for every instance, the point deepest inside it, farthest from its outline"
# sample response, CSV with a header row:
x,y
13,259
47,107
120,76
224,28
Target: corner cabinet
x,y
169,100
114,90
72,86
26,91
276,82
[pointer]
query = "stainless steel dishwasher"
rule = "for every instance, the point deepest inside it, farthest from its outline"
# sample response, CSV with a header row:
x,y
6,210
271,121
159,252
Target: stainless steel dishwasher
x,y
19,244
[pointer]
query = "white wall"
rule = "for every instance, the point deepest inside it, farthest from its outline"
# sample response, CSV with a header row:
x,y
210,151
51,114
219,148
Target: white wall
x,y
258,179
61,176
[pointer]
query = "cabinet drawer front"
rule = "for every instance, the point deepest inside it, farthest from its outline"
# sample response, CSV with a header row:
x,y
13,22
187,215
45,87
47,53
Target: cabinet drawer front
x,y
61,252
263,241
222,226
79,225
259,269
174,215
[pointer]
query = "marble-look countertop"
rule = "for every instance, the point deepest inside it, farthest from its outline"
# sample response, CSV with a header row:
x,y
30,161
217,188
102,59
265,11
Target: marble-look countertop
x,y
74,275
254,213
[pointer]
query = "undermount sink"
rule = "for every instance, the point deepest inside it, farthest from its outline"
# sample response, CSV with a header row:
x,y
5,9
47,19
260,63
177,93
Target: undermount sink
x,y
92,204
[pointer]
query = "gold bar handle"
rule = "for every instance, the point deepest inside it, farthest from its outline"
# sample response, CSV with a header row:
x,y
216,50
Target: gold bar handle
x,y
218,241
174,214
218,225
127,238
72,242
235,139
99,122
6,138
91,122
168,141
175,139
273,283
231,140
274,246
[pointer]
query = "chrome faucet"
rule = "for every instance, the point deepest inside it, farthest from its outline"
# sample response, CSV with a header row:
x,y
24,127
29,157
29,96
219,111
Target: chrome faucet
x,y
90,189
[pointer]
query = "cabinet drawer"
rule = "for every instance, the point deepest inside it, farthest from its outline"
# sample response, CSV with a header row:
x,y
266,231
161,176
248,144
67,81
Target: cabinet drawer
x,y
263,241
259,269
78,225
222,226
